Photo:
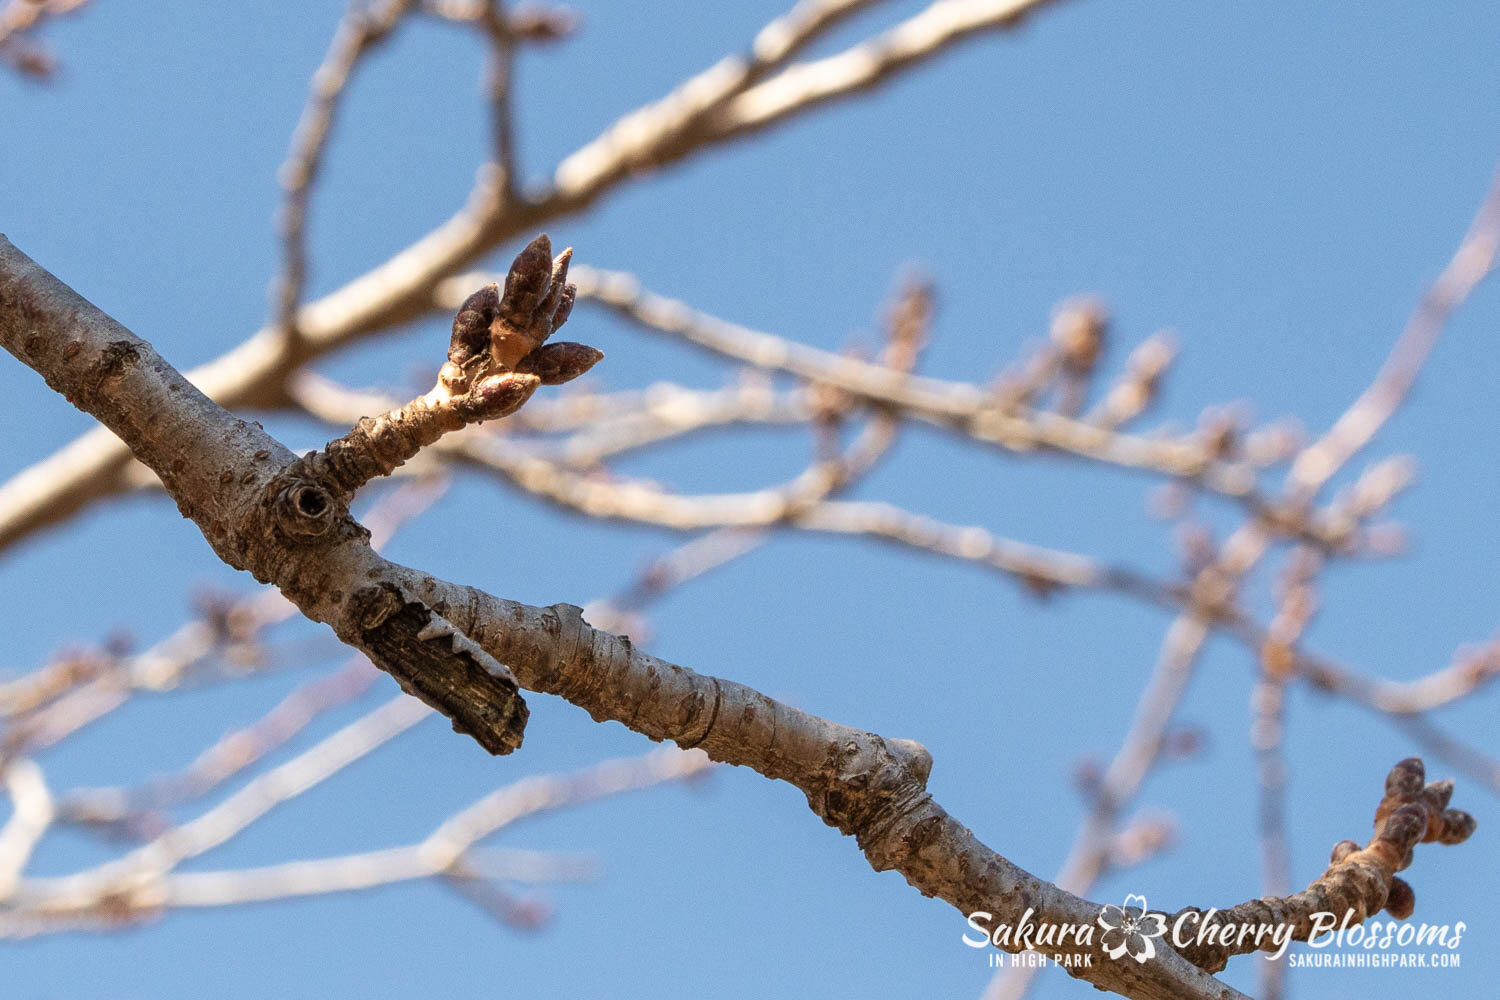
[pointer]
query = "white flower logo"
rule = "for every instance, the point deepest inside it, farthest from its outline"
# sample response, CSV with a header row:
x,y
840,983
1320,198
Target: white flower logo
x,y
1130,928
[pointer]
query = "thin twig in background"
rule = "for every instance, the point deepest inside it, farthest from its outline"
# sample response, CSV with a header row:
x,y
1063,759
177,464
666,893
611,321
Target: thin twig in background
x,y
365,26
1295,609
19,20
141,808
1214,586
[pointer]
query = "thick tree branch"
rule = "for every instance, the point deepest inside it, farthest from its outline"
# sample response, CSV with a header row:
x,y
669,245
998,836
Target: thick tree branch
x,y
447,642
275,516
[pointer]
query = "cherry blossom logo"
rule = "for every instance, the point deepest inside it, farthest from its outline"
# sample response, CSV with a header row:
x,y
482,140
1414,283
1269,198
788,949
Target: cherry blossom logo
x,y
1130,928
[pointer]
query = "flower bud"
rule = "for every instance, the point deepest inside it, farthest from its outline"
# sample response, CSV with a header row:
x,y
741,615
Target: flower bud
x,y
561,362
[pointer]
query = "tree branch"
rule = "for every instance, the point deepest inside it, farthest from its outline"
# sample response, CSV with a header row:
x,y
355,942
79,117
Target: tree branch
x,y
448,641
273,515
400,290
1360,880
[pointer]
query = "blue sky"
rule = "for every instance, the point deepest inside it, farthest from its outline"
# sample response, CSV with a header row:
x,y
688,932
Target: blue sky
x,y
1276,185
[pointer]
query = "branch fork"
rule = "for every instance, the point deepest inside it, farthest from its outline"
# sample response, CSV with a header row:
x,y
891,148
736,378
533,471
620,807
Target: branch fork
x,y
497,357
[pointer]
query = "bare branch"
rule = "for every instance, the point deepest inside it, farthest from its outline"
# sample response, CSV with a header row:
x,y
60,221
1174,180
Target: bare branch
x,y
1090,855
457,638
363,28
255,374
132,887
866,65
1472,262
446,848
137,808
959,406
1361,881
1296,606
32,811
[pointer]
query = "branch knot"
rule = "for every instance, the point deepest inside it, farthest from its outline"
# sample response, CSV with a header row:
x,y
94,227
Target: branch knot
x,y
302,509
875,789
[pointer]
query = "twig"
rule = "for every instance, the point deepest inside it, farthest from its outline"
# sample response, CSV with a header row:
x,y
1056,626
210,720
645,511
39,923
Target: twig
x,y
1471,263
1360,881
138,807
18,19
908,328
31,814
447,846
1089,856
958,406
364,27
1296,606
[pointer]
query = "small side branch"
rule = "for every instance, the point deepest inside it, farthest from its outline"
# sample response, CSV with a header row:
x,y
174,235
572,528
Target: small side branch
x,y
1360,881
497,357
363,28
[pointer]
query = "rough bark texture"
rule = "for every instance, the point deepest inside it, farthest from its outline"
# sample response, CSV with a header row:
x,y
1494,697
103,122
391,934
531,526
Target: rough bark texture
x,y
1359,880
286,520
